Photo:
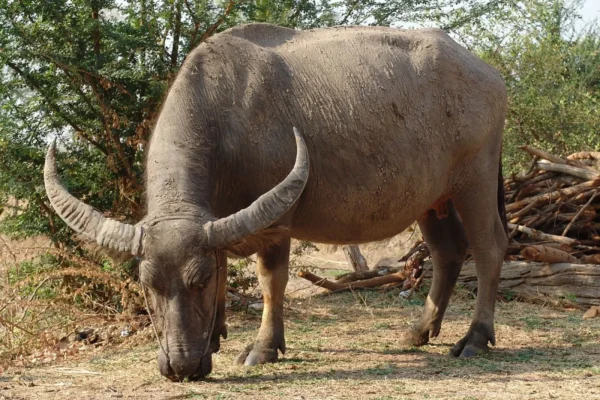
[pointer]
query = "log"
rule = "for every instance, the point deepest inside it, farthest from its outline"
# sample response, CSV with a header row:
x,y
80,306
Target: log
x,y
523,211
591,313
364,284
536,177
574,284
583,196
539,222
584,155
551,157
591,259
543,154
547,254
543,177
570,170
523,178
591,245
589,162
539,235
355,258
584,216
527,190
578,227
360,275
548,197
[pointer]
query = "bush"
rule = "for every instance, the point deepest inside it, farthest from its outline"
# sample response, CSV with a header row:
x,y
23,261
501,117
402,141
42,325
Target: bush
x,y
551,71
241,277
53,293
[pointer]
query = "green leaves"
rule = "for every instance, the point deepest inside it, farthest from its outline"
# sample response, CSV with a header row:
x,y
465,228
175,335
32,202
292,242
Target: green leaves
x,y
551,71
93,73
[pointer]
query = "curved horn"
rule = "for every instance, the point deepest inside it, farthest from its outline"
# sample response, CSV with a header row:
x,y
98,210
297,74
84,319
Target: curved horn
x,y
85,219
265,210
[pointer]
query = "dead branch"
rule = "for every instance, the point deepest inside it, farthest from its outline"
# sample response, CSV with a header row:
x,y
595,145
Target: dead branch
x,y
566,192
357,276
579,213
523,211
570,170
543,154
419,246
538,235
364,284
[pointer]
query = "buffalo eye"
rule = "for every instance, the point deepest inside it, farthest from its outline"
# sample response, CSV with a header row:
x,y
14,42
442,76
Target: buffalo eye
x,y
149,277
197,274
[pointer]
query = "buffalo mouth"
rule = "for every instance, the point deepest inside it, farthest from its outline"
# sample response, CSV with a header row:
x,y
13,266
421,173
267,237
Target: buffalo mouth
x,y
178,369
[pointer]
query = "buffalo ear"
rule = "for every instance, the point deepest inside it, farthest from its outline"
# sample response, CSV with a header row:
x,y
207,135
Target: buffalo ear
x,y
266,238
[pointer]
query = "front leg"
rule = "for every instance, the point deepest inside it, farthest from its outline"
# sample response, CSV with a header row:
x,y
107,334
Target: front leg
x,y
272,271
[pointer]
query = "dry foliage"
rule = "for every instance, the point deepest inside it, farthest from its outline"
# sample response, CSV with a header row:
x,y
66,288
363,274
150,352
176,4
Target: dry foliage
x,y
49,295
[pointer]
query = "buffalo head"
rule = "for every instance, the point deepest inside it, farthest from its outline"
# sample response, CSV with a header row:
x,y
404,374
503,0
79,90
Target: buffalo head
x,y
183,264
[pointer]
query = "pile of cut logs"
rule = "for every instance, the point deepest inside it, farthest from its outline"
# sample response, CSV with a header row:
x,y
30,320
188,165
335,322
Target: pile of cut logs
x,y
554,209
553,212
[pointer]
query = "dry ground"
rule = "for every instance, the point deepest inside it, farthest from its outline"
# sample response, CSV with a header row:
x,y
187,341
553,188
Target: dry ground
x,y
344,347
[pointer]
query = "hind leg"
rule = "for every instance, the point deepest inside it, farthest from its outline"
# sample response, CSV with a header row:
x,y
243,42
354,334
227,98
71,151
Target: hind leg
x,y
478,208
448,244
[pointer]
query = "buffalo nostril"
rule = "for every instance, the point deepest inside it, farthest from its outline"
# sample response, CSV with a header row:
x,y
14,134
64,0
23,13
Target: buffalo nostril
x,y
183,369
180,365
192,368
165,368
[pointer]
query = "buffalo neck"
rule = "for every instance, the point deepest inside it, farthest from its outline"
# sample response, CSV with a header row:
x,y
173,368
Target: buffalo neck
x,y
178,162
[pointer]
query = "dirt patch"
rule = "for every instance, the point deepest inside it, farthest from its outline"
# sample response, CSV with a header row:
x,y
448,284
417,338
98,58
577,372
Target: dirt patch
x,y
344,347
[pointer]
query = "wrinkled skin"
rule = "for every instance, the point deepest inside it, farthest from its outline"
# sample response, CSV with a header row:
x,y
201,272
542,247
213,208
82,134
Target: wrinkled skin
x,y
412,131
189,302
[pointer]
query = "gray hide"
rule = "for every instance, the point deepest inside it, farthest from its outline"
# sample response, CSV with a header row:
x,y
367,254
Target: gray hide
x,y
399,126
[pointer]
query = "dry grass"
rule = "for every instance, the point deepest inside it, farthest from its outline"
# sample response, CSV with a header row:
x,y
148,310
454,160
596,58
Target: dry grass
x,y
47,294
344,347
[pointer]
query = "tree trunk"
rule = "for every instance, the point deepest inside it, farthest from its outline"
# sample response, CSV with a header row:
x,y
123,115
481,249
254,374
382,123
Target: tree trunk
x,y
355,258
176,35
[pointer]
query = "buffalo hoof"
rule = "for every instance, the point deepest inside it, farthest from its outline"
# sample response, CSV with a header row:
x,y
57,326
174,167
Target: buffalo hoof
x,y
254,354
474,343
414,338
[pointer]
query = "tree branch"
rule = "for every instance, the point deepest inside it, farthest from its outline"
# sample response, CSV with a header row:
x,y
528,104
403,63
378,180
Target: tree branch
x,y
349,12
363,284
213,28
176,35
36,87
196,25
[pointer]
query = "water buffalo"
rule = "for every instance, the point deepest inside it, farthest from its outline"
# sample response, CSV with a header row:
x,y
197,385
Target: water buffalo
x,y
392,125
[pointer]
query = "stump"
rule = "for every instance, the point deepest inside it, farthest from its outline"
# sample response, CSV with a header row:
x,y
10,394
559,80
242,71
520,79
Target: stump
x,y
355,258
